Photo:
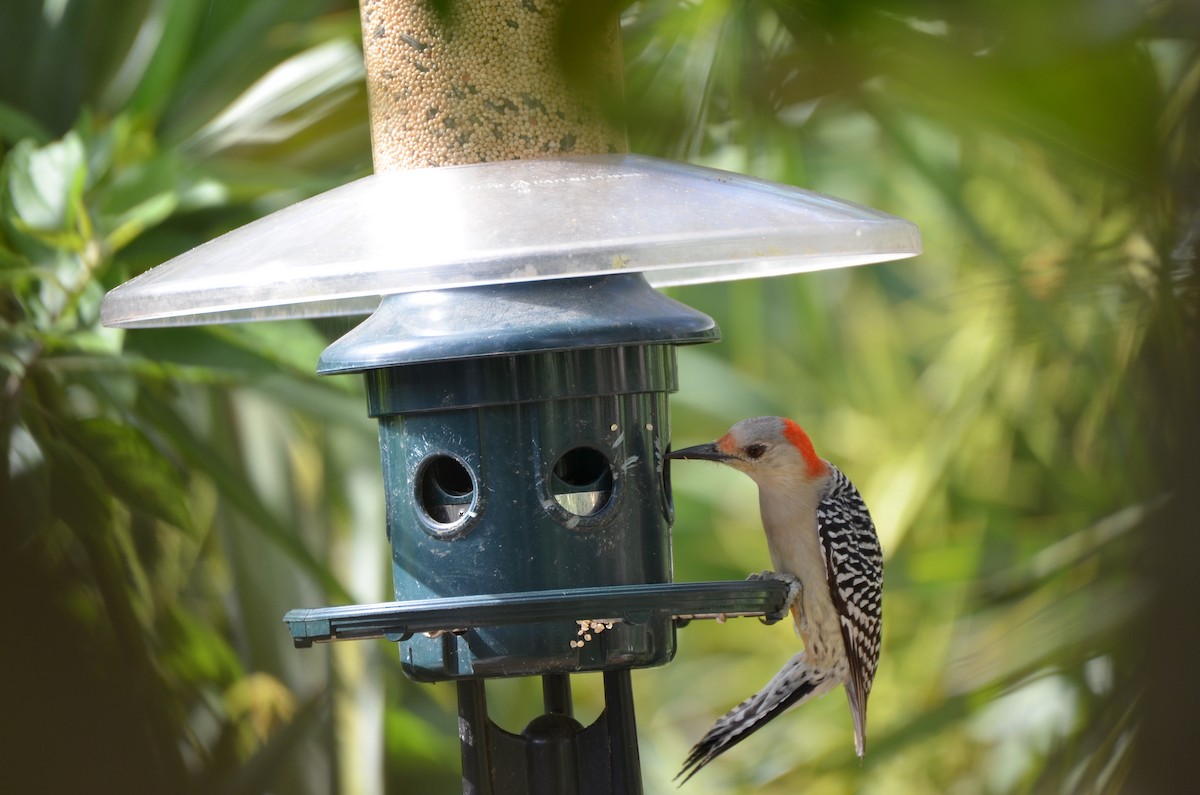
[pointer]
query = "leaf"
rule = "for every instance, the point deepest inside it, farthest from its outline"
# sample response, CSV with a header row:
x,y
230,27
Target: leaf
x,y
202,455
263,771
13,262
44,186
16,124
260,115
24,483
132,223
77,494
151,68
25,455
245,349
134,469
195,650
137,197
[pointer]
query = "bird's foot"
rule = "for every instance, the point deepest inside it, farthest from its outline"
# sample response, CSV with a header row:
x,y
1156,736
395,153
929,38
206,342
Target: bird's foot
x,y
795,588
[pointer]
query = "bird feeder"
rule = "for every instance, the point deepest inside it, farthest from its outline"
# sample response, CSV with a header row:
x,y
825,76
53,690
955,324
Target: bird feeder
x,y
518,359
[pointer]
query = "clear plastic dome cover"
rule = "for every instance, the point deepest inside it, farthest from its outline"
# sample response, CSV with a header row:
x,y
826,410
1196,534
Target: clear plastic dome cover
x,y
521,220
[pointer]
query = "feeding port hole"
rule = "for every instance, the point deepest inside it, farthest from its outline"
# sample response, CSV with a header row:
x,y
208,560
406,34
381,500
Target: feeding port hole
x,y
582,481
447,490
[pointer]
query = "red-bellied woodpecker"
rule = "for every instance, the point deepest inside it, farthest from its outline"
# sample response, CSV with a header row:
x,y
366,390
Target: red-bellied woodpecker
x,y
820,533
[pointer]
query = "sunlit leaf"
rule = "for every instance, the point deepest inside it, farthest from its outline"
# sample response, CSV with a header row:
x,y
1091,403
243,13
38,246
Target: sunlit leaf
x,y
273,759
261,113
43,186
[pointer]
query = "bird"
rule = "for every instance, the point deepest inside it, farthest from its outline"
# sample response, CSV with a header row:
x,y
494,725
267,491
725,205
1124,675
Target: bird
x,y
821,537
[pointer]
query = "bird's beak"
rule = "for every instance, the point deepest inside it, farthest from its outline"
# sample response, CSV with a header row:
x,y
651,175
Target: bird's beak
x,y
701,452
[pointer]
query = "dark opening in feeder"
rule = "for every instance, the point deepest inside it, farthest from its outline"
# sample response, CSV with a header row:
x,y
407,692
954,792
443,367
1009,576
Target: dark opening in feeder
x,y
445,492
582,481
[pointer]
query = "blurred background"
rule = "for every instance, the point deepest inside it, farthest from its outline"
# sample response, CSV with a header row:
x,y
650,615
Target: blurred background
x,y
1018,405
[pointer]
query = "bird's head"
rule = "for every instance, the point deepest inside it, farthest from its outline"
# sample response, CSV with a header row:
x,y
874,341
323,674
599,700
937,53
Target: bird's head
x,y
765,448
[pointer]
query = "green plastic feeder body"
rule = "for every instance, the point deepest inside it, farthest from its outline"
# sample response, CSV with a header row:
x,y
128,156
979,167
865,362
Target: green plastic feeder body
x,y
522,429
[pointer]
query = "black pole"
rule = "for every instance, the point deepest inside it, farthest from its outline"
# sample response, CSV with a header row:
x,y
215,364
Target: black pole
x,y
473,737
624,760
552,752
556,694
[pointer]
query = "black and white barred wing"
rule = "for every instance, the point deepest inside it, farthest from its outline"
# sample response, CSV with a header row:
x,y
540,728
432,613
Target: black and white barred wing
x,y
854,571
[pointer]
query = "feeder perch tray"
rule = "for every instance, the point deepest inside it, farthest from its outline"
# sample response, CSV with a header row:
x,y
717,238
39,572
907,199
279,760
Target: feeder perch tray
x,y
634,604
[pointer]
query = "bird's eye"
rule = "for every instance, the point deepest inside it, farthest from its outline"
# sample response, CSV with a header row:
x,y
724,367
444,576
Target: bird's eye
x,y
755,451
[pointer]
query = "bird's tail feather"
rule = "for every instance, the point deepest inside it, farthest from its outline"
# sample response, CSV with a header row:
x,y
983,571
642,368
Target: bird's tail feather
x,y
795,683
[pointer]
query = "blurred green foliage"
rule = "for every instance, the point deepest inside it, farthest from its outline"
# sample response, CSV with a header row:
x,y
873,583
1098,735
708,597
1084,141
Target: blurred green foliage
x,y
1017,405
